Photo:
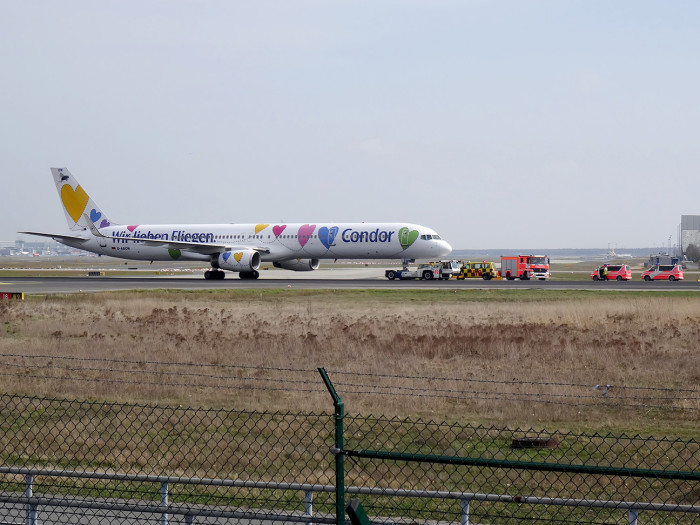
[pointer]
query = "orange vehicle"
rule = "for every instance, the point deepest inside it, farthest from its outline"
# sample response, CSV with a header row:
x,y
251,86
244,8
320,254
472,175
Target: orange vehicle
x,y
619,272
672,272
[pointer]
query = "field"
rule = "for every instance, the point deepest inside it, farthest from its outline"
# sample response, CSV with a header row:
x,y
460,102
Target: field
x,y
622,361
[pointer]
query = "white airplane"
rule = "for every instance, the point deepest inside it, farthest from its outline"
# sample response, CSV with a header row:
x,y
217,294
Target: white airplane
x,y
237,247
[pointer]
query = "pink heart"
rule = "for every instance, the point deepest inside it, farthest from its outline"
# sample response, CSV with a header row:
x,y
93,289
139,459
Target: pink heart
x,y
132,228
277,230
305,232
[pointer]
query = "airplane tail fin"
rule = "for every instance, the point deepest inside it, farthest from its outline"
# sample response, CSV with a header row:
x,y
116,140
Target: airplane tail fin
x,y
77,204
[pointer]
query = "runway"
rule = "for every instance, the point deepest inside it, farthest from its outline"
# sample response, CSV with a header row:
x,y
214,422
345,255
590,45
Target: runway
x,y
63,285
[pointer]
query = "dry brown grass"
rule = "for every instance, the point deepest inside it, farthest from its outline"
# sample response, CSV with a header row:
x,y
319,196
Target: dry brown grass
x,y
478,354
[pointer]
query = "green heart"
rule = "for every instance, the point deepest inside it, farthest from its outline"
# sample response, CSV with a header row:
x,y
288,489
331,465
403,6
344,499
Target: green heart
x,y
175,254
407,237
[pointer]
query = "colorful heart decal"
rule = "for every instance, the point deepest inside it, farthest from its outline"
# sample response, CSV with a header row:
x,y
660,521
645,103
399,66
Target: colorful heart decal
x,y
95,215
104,223
407,237
305,232
260,227
132,228
277,230
238,256
327,235
74,201
175,254
226,256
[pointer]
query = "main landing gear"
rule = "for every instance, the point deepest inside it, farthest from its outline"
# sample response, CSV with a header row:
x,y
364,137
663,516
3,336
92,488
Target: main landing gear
x,y
218,275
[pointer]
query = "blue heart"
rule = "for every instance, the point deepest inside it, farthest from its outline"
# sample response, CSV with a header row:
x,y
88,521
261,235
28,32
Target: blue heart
x,y
226,255
327,236
95,215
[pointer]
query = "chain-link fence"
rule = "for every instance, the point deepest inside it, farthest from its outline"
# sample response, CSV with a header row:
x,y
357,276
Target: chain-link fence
x,y
73,449
509,475
150,463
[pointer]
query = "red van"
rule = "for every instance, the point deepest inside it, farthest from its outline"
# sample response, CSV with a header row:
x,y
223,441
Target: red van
x,y
619,272
672,272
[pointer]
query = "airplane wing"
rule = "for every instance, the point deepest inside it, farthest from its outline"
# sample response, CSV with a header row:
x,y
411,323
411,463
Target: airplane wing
x,y
57,236
196,247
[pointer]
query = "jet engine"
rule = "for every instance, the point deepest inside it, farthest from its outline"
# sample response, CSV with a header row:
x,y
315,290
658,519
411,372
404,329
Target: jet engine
x,y
237,261
298,265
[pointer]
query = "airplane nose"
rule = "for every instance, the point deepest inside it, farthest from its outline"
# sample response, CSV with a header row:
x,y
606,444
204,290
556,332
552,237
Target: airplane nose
x,y
447,247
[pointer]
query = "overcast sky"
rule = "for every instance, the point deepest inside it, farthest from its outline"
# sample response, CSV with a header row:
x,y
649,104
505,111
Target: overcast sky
x,y
560,124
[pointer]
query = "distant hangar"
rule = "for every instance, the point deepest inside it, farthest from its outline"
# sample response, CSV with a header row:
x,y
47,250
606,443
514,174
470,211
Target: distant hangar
x,y
690,231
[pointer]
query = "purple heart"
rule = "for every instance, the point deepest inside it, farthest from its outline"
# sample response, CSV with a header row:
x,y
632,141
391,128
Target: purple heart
x,y
104,223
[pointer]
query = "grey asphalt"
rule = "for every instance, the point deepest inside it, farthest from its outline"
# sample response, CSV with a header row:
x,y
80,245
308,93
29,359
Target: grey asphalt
x,y
60,285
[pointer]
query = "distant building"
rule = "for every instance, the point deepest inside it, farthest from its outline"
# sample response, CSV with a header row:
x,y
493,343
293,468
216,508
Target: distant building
x,y
7,247
690,231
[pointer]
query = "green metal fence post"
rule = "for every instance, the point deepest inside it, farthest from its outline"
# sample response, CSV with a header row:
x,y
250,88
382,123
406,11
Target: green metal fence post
x,y
337,450
357,513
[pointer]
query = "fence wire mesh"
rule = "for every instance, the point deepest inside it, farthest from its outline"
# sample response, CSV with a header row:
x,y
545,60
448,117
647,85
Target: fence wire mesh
x,y
261,466
425,456
148,440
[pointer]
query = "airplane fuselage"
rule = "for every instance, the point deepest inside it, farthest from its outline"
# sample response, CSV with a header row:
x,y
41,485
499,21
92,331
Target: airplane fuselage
x,y
283,241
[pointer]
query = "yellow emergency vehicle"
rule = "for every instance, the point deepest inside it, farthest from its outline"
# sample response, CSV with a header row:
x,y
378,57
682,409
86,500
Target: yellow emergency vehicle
x,y
475,270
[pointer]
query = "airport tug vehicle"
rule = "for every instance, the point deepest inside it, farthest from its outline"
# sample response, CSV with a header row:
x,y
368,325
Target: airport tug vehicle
x,y
427,272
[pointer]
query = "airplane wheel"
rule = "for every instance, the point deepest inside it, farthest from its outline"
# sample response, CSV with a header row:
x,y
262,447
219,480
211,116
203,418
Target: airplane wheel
x,y
256,274
220,275
207,275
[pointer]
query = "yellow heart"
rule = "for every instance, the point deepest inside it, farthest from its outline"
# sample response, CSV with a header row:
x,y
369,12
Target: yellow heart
x,y
238,256
74,201
260,227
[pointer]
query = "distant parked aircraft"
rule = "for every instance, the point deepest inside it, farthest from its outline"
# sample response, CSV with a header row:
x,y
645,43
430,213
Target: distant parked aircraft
x,y
613,255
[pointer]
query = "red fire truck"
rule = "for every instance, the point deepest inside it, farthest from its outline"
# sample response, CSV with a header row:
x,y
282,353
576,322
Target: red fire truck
x,y
525,267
